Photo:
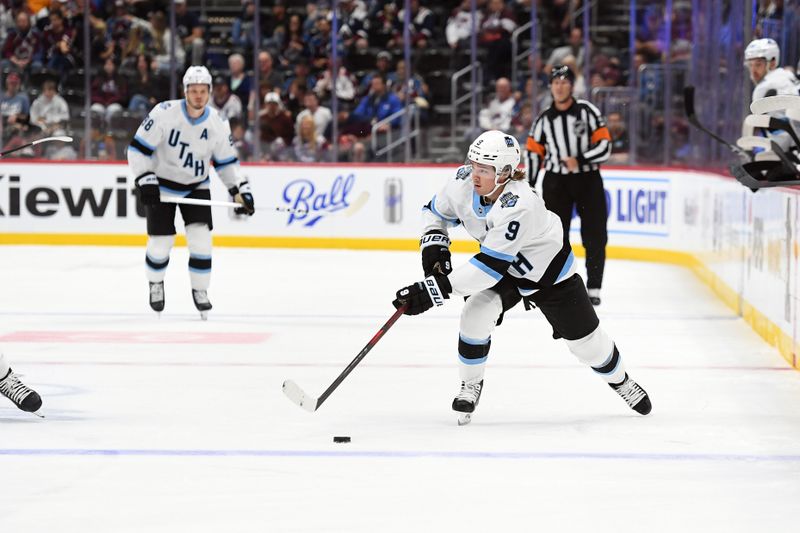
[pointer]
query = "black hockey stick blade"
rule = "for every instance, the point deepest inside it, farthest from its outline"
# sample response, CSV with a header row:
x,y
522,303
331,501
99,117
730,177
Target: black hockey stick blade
x,y
298,396
688,105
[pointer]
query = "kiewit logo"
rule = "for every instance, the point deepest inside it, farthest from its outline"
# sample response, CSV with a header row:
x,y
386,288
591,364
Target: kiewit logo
x,y
77,202
302,195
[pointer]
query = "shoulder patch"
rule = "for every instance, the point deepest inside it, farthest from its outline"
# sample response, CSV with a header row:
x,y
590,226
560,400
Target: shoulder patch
x,y
508,200
463,172
165,105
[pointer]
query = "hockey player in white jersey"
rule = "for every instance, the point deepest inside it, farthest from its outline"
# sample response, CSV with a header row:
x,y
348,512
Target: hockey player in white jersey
x,y
762,58
522,256
172,153
12,388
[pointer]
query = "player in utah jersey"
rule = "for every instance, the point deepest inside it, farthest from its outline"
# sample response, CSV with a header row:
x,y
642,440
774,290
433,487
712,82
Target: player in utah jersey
x,y
172,153
522,256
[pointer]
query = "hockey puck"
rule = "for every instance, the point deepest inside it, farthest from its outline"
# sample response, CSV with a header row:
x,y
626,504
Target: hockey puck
x,y
341,439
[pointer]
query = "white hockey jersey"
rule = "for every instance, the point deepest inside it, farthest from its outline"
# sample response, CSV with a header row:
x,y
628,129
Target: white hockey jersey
x,y
180,150
778,81
519,237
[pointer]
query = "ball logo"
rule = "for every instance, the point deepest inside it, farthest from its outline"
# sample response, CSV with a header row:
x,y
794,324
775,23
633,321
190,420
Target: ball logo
x,y
313,204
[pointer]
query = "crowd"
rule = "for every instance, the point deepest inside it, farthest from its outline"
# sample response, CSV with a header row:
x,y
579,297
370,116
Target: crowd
x,y
42,63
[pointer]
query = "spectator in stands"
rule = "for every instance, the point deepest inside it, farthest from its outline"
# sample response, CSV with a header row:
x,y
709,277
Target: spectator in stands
x,y
579,85
294,96
276,128
650,38
119,30
495,35
274,27
109,91
383,65
521,123
379,104
241,141
226,103
345,88
574,47
308,146
418,91
103,147
293,47
459,26
319,46
190,32
302,73
243,29
14,107
143,86
50,113
320,114
423,24
162,45
22,48
386,30
353,25
57,43
98,48
267,72
313,14
240,83
498,114
351,150
619,137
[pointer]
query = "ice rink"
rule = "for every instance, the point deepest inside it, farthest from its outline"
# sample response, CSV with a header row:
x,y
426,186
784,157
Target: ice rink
x,y
173,424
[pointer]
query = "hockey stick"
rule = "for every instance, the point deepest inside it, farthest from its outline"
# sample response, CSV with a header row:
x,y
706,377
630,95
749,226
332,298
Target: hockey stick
x,y
771,123
775,173
774,103
293,391
688,104
61,138
354,206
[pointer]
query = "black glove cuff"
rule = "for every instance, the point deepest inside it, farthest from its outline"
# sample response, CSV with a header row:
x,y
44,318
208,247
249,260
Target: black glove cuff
x,y
233,191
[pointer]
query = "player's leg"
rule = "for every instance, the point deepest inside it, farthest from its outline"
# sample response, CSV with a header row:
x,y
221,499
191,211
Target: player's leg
x,y
558,199
160,239
481,313
12,388
567,307
197,220
592,208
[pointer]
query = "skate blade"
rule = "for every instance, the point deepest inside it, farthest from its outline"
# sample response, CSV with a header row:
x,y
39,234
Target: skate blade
x,y
36,413
464,419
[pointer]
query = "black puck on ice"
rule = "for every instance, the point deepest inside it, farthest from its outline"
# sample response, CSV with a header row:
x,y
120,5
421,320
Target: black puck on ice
x,y
341,439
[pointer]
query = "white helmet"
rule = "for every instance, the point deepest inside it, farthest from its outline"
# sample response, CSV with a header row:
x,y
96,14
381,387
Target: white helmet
x,y
766,48
497,149
196,74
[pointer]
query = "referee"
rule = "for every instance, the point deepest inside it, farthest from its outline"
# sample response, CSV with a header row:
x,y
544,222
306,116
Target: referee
x,y
571,139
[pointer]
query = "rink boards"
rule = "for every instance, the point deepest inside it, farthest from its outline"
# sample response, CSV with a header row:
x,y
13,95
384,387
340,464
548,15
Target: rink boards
x,y
743,244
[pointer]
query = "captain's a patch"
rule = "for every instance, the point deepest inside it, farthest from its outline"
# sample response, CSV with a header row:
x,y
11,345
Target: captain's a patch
x,y
508,200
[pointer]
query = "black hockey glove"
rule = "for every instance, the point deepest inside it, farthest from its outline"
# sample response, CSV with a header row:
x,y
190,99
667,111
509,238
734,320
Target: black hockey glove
x,y
147,185
423,295
243,194
435,247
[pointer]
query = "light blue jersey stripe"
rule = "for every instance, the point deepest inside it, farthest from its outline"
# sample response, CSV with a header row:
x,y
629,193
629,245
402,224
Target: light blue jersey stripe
x,y
488,271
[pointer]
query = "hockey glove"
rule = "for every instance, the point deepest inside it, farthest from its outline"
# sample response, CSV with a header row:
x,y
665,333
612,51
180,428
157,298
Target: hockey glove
x,y
147,185
243,194
423,295
435,247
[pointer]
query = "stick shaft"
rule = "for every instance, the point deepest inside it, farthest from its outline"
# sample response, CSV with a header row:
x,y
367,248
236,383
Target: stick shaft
x,y
34,143
219,203
361,355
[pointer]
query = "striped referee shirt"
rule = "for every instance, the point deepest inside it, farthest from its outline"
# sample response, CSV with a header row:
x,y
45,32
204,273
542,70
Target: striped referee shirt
x,y
580,132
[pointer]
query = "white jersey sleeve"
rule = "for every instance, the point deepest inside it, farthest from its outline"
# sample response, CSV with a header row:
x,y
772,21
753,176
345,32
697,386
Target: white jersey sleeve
x,y
509,226
225,157
142,149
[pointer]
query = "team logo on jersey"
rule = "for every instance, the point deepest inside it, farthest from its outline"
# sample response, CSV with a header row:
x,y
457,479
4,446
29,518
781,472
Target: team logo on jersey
x,y
509,141
164,105
580,127
508,200
463,172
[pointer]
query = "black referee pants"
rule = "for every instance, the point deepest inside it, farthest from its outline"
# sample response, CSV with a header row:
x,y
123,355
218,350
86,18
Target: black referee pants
x,y
583,191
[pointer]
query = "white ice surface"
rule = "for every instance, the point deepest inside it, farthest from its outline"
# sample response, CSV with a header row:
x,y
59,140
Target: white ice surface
x,y
155,425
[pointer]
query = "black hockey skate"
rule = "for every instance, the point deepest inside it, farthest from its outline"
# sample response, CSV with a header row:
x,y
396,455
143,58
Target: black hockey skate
x,y
23,397
634,395
467,400
201,302
157,296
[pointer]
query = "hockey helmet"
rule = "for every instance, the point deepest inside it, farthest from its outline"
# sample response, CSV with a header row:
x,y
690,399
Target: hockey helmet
x,y
763,48
496,149
196,74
